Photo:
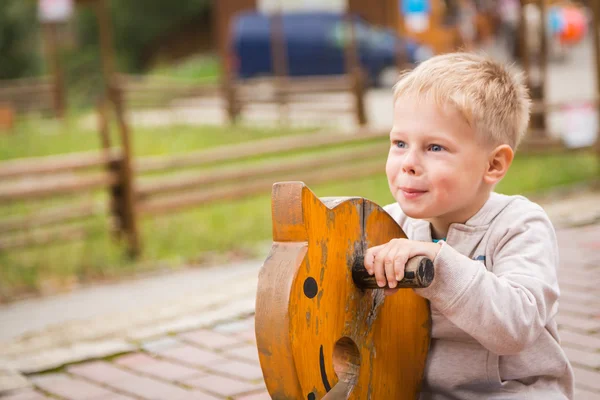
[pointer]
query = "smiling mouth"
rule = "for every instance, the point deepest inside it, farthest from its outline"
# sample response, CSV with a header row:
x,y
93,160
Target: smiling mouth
x,y
412,193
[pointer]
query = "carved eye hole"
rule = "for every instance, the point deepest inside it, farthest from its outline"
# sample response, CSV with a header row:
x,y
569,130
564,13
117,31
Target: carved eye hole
x,y
310,287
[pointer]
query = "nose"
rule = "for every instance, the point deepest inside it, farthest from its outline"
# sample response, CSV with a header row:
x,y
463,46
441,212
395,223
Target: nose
x,y
410,163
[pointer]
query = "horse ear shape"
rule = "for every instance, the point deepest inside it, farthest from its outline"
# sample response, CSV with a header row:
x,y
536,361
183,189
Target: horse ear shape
x,y
287,209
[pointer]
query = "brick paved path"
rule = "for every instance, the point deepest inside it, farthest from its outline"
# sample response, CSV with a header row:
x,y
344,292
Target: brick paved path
x,y
222,363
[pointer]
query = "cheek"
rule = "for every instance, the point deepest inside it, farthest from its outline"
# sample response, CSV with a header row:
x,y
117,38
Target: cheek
x,y
450,183
391,168
446,186
459,183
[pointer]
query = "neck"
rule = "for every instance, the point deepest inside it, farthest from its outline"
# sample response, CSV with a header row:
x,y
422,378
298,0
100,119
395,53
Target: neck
x,y
440,225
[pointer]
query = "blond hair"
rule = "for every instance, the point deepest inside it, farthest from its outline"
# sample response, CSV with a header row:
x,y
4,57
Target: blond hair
x,y
492,97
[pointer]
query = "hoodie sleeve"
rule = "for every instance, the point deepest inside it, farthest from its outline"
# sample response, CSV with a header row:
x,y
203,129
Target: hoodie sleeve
x,y
507,309
398,215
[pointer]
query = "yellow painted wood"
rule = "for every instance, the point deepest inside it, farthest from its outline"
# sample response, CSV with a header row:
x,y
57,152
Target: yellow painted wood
x,y
307,303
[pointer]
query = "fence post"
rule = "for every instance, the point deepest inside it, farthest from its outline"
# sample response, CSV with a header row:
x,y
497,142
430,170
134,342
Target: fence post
x,y
355,71
114,165
279,64
103,127
53,59
595,5
222,14
538,80
127,204
126,198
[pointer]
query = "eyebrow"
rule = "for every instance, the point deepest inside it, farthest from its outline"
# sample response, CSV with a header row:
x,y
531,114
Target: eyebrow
x,y
427,136
396,133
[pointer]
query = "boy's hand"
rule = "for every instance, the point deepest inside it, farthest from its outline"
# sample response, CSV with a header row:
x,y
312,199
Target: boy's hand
x,y
388,261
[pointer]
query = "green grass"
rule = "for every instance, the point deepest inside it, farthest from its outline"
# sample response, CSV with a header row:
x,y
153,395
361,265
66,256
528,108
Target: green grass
x,y
34,138
209,233
204,69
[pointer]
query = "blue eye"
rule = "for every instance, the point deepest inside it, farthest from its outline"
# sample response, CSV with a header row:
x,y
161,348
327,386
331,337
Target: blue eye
x,y
400,144
436,147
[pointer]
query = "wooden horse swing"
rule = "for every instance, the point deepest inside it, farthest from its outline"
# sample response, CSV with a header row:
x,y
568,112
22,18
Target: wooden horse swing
x,y
324,329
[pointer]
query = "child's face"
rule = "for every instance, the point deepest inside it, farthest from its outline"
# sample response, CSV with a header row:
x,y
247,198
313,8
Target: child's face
x,y
435,166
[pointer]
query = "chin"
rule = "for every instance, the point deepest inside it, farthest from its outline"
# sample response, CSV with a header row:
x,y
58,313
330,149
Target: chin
x,y
415,212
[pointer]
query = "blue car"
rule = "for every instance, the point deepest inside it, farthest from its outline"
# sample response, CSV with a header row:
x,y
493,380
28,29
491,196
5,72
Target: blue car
x,y
315,46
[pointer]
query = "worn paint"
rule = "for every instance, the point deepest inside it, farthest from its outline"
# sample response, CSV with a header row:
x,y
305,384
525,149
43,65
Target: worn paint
x,y
319,297
378,299
324,254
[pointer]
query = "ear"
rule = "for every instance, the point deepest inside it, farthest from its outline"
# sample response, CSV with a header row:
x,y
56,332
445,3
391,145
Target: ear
x,y
498,163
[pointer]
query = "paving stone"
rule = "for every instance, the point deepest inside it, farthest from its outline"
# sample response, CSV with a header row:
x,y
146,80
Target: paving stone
x,y
117,396
575,309
124,381
239,369
160,344
199,395
587,379
161,369
70,388
248,335
576,284
573,322
100,371
246,352
192,355
210,339
582,394
250,320
233,327
59,356
570,273
11,379
584,358
264,395
578,340
581,297
221,385
24,394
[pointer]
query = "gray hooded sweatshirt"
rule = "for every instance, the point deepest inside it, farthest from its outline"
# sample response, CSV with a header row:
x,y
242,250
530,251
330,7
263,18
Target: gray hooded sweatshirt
x,y
493,302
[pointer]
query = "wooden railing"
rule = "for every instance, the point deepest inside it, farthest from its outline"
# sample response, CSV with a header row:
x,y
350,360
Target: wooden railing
x,y
35,179
297,92
148,91
221,178
166,194
167,184
28,94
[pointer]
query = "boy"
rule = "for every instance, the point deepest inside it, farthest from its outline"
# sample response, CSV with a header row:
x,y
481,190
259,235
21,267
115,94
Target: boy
x,y
458,119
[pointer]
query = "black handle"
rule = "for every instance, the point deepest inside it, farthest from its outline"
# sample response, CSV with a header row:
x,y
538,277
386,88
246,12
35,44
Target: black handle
x,y
418,273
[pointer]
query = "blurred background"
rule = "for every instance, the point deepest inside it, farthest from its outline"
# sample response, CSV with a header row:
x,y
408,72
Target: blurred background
x,y
145,135
140,140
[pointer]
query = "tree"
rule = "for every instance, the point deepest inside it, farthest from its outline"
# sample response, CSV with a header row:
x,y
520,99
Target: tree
x,y
18,36
136,24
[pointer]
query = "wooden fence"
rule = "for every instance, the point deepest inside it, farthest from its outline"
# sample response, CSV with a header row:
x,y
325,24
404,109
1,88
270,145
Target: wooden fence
x,y
28,94
31,180
305,94
166,184
28,180
166,194
302,94
143,91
